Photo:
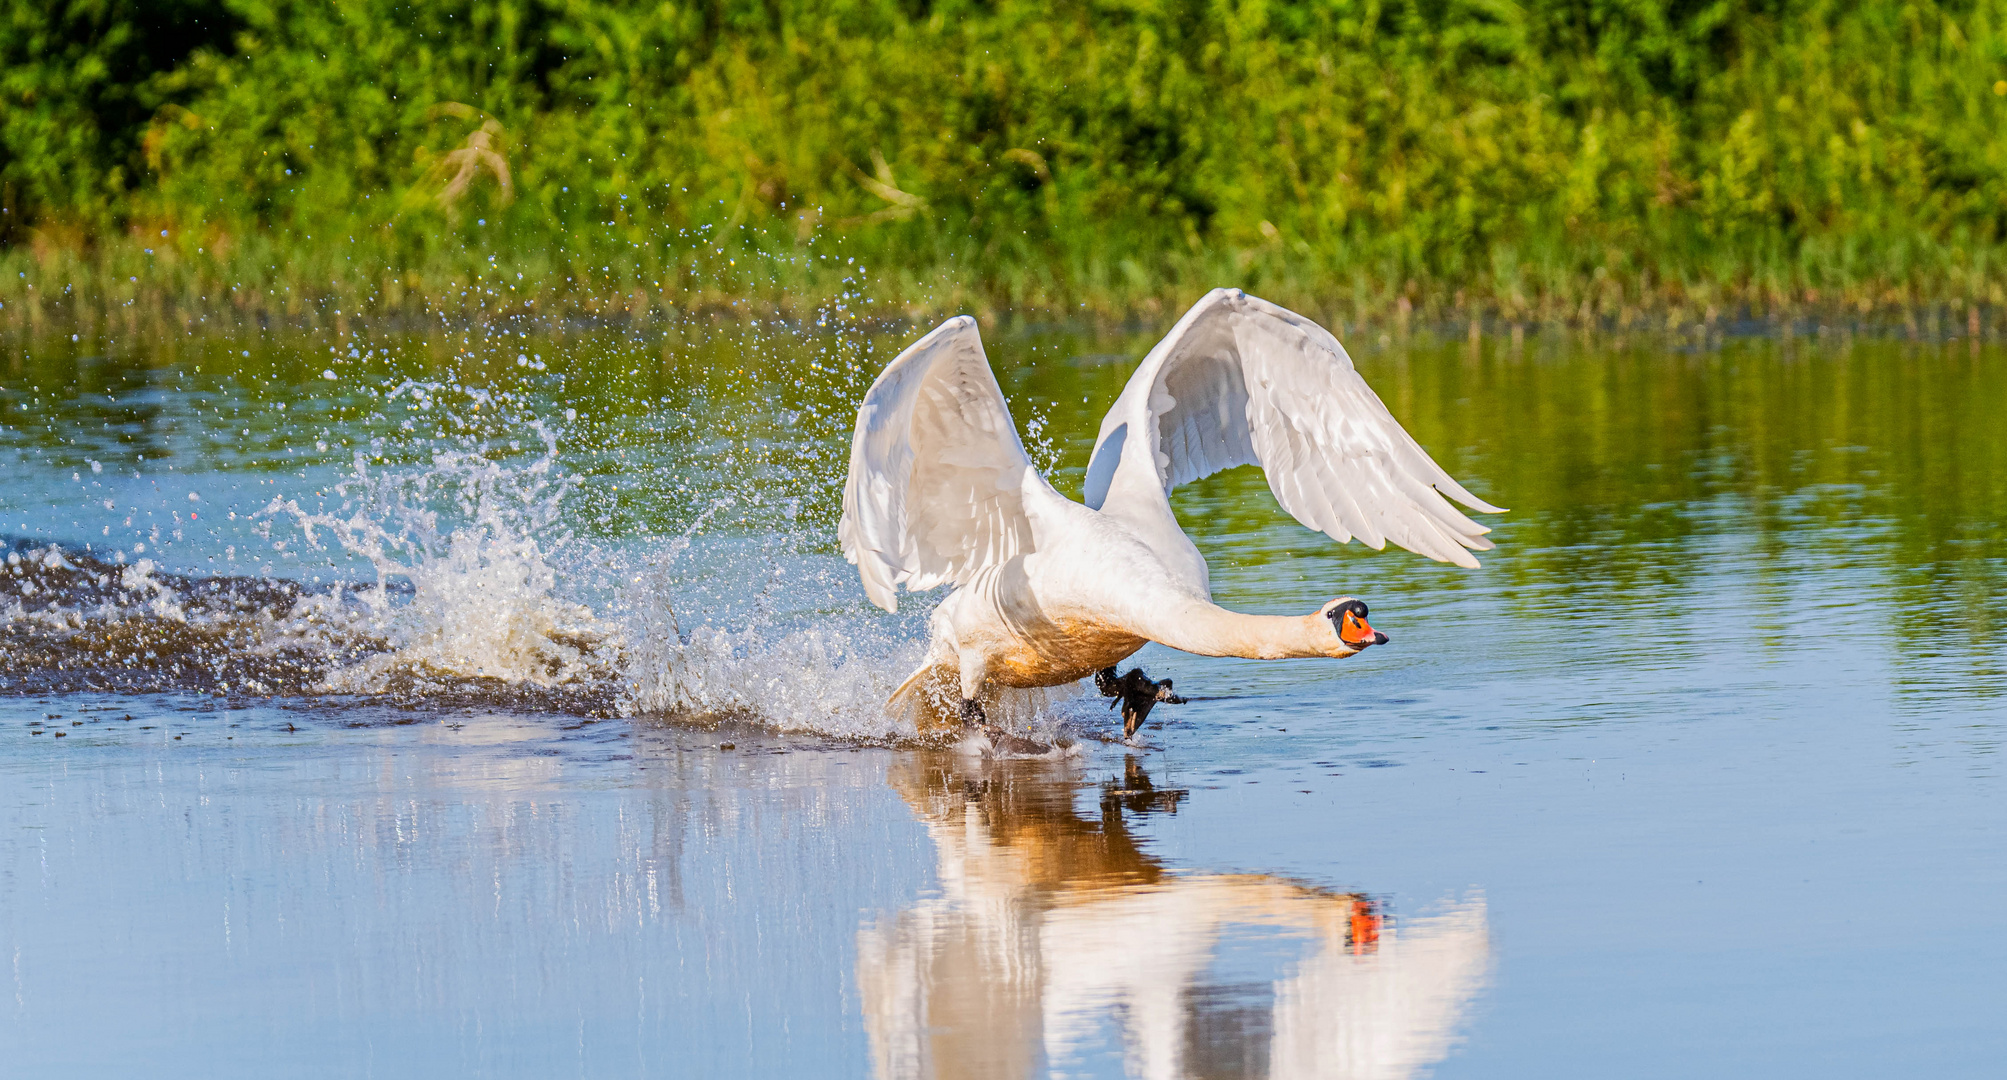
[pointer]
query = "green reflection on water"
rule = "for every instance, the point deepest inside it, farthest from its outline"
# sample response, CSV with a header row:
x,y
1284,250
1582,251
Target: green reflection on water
x,y
1633,475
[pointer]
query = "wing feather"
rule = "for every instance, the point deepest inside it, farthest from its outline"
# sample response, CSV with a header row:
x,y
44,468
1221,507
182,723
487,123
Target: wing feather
x,y
1241,381
937,471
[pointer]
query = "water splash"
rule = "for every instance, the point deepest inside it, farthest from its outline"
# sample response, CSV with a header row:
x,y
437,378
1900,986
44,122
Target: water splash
x,y
476,538
827,679
482,593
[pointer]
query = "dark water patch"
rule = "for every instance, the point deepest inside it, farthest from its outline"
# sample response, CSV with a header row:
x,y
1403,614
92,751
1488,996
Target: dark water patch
x,y
78,623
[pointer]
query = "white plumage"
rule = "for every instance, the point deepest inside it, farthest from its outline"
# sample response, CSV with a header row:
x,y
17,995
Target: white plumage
x,y
1240,381
936,470
1049,590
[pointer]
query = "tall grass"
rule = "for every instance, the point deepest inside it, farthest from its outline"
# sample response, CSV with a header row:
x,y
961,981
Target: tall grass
x,y
1593,161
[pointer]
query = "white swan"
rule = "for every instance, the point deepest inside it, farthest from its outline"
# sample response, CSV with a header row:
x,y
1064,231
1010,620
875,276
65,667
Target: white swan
x,y
1050,591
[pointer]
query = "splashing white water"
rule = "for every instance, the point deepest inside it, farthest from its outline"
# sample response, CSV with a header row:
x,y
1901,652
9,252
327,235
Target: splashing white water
x,y
830,668
480,536
828,679
483,596
831,676
475,538
835,676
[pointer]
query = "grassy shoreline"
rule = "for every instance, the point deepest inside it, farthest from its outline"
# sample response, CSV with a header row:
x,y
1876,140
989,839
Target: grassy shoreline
x,y
127,286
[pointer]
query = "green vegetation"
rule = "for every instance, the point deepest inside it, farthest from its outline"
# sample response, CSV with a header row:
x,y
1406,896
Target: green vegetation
x,y
1584,161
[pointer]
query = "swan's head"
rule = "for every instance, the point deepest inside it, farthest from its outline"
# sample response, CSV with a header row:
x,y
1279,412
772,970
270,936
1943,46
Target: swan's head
x,y
1348,622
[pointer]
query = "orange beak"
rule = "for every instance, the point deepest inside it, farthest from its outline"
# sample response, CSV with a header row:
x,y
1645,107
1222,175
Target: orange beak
x,y
1355,631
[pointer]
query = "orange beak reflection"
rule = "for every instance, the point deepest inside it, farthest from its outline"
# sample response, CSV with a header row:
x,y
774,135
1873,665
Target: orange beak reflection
x,y
1355,631
1365,928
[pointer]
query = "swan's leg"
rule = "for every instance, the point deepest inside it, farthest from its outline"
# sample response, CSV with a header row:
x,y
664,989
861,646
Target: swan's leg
x,y
974,719
974,673
1136,693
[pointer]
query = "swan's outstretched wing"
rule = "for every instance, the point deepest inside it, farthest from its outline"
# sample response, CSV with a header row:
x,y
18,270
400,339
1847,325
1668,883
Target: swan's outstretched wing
x,y
936,470
1240,381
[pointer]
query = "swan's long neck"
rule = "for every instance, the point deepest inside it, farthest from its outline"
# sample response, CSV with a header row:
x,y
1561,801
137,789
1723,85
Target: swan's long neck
x,y
1211,630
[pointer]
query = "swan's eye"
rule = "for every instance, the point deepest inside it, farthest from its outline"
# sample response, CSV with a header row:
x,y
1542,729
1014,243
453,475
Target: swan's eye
x,y
1356,631
1349,607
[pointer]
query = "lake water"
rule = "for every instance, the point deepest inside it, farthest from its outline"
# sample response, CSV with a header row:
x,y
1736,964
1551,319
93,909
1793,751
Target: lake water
x,y
495,704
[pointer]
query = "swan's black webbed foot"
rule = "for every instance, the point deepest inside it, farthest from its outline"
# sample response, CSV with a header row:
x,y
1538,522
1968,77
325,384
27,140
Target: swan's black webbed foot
x,y
973,718
1136,693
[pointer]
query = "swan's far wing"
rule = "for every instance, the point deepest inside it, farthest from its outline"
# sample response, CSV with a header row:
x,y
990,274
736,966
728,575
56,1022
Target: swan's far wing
x,y
1241,381
936,470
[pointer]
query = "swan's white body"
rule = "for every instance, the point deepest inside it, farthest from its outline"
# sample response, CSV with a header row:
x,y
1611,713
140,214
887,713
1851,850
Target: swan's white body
x,y
1050,590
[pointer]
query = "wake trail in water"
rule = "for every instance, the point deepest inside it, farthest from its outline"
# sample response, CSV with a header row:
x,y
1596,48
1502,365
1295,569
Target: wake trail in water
x,y
482,597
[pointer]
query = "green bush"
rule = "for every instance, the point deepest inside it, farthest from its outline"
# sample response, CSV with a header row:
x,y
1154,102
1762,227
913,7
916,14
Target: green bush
x,y
1545,159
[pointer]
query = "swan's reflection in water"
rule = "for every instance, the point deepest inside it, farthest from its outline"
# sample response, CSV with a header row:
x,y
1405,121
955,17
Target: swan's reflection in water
x,y
1055,943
